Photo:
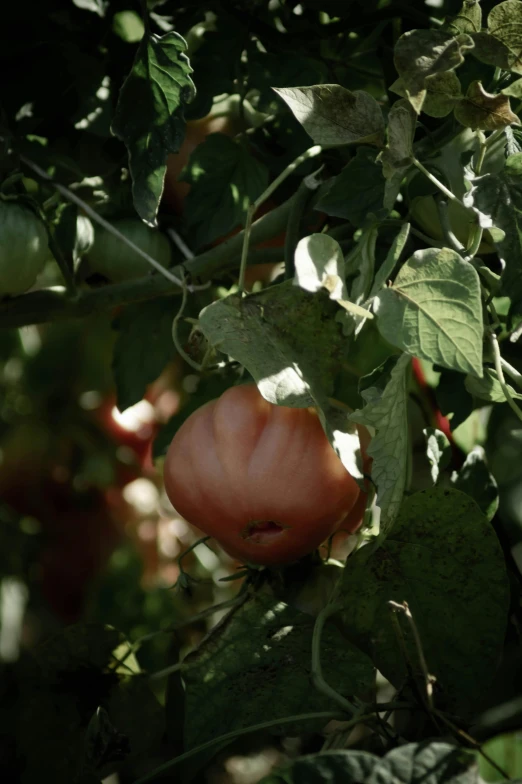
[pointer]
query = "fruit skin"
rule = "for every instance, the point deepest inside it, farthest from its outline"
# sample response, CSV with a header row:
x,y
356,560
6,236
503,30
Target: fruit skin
x,y
23,248
110,257
240,461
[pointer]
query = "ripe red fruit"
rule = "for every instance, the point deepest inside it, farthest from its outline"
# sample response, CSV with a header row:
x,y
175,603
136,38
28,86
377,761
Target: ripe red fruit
x,y
262,479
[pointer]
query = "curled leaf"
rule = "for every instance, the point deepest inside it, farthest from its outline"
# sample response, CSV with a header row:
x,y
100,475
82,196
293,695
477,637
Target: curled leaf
x,y
420,54
484,111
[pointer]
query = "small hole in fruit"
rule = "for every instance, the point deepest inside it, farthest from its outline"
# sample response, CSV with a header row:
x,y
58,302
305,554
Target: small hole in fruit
x,y
263,531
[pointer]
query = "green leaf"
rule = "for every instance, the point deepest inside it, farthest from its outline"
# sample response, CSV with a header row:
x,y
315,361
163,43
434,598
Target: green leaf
x,y
488,388
160,85
225,179
98,7
475,479
484,111
442,93
143,347
514,90
444,559
468,20
398,154
420,54
413,763
438,450
386,397
293,362
65,681
497,200
434,311
332,115
385,271
357,191
128,26
319,263
262,649
276,69
504,24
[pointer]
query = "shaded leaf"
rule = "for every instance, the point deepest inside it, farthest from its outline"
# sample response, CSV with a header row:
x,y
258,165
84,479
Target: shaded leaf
x,y
357,191
441,553
497,200
413,763
397,156
225,179
420,54
442,93
385,271
484,111
475,479
488,388
160,85
504,24
385,395
468,20
514,90
453,399
260,649
332,115
434,310
143,347
492,51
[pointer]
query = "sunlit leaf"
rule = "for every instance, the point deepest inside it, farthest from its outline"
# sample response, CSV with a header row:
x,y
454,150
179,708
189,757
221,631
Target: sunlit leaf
x,y
433,310
332,115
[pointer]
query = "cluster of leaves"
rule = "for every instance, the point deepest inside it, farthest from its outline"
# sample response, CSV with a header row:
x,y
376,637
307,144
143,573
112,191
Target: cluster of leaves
x,y
380,285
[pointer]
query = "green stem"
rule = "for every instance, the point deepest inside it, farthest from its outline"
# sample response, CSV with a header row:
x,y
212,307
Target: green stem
x,y
431,177
229,736
312,152
317,672
512,372
500,374
38,307
175,339
87,209
236,600
293,228
454,243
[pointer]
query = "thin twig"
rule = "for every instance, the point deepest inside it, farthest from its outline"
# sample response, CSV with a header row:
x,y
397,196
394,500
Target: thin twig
x,y
428,678
475,743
